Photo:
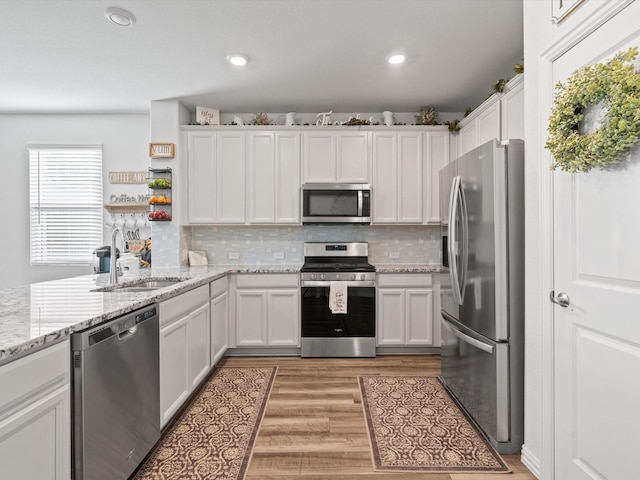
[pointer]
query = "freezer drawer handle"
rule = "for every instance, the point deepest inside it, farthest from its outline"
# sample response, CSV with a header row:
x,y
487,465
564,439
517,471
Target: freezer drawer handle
x,y
561,299
485,347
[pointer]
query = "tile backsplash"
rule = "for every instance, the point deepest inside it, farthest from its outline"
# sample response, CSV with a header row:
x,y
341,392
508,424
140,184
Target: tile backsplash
x,y
264,245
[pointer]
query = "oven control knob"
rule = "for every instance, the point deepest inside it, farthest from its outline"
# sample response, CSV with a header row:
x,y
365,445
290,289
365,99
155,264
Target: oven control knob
x,y
337,276
313,276
322,276
353,276
362,276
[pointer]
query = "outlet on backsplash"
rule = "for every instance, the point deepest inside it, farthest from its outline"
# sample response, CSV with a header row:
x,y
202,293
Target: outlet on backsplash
x,y
234,255
394,255
278,255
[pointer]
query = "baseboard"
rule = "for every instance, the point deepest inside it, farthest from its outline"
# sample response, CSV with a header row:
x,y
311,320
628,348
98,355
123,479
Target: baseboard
x,y
530,461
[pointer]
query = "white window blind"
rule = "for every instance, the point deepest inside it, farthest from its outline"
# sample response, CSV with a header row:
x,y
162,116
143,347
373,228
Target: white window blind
x,y
65,203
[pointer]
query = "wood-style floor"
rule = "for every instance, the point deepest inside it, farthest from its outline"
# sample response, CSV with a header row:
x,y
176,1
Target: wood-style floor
x,y
314,427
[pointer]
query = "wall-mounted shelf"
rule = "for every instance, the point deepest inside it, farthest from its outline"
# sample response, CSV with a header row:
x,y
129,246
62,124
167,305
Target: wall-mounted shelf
x,y
126,207
160,197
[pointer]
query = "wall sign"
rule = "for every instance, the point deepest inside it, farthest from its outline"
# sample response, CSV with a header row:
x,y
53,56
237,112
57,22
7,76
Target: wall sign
x,y
128,177
161,150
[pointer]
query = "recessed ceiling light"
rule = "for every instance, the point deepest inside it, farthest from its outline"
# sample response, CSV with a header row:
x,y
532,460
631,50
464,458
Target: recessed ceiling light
x,y
119,16
396,58
237,59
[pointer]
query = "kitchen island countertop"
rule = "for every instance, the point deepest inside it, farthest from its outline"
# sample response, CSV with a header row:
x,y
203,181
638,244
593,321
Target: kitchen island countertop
x,y
32,316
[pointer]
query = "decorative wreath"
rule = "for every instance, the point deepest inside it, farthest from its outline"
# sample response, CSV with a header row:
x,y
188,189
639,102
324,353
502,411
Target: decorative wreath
x,y
616,87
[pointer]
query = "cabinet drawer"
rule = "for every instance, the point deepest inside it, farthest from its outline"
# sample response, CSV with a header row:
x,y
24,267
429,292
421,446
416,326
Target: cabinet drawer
x,y
218,287
405,280
267,280
184,303
36,372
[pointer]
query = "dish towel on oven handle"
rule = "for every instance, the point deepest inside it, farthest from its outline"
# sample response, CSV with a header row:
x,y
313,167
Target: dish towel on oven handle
x,y
338,297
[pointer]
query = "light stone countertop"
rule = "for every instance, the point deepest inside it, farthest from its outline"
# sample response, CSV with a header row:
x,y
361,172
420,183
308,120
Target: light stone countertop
x,y
39,314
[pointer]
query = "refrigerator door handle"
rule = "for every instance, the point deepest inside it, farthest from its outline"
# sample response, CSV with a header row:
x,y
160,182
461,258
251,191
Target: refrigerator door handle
x,y
485,347
456,200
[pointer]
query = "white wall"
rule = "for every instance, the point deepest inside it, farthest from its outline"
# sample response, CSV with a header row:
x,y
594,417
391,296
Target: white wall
x,y
125,140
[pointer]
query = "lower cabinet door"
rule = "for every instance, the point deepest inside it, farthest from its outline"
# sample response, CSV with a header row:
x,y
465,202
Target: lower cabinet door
x,y
35,442
251,318
391,315
175,383
283,317
219,330
419,317
199,345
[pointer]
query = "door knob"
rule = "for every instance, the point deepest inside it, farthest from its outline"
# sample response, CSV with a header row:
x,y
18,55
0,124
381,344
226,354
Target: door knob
x,y
561,299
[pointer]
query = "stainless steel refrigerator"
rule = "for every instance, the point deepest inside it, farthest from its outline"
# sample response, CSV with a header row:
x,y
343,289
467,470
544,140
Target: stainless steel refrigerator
x,y
482,288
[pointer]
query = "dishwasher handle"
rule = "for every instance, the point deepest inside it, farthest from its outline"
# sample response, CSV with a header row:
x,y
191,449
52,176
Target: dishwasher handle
x,y
122,328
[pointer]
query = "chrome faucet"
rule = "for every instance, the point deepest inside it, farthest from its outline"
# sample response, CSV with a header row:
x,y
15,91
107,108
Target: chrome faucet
x,y
113,269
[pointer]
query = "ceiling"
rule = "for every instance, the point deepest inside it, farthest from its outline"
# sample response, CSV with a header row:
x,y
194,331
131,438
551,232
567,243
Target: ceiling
x,y
306,55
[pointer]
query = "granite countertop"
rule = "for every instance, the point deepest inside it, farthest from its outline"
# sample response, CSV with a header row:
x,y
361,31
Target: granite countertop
x,y
32,316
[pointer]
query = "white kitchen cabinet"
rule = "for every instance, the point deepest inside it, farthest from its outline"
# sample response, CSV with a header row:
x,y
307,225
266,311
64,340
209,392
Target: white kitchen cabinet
x,y
219,306
405,310
216,171
185,351
501,116
35,415
274,177
512,110
336,157
397,188
436,148
267,310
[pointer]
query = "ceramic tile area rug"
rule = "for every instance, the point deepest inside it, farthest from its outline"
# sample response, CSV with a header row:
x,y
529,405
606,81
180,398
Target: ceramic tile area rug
x,y
415,426
214,436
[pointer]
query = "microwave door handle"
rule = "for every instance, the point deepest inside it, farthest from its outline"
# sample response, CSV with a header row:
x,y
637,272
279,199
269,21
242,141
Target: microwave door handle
x,y
360,203
453,233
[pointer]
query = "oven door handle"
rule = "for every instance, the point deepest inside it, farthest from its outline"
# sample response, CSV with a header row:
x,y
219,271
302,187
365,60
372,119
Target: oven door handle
x,y
327,283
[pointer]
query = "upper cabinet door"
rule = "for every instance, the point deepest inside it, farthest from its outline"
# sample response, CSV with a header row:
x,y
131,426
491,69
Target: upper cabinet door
x,y
512,110
230,178
287,178
274,177
436,147
489,124
352,165
201,174
385,178
410,168
336,157
261,177
319,159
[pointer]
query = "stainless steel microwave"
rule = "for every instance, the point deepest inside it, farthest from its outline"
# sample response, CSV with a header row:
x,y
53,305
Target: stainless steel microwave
x,y
336,203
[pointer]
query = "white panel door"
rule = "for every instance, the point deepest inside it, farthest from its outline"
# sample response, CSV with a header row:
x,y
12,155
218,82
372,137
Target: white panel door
x,y
436,145
219,322
391,315
385,178
174,367
283,317
251,318
261,173
230,177
287,177
410,168
419,321
353,158
199,344
201,174
319,157
597,265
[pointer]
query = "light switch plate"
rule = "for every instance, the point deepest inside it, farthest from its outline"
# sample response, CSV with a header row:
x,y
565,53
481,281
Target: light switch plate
x,y
234,255
394,254
278,255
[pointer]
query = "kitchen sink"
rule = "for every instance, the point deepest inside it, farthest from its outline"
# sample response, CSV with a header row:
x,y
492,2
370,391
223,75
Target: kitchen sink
x,y
141,286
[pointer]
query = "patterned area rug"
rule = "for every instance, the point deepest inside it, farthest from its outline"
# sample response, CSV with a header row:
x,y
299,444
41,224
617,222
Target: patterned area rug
x,y
414,425
214,436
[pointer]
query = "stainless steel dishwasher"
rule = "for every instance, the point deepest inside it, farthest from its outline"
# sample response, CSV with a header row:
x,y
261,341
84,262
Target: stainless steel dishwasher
x,y
116,395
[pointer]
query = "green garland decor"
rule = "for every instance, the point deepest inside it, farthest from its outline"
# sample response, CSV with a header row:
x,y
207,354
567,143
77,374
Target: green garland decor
x,y
616,86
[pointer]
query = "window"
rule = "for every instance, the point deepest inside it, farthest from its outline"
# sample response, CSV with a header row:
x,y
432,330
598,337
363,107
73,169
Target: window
x,y
65,185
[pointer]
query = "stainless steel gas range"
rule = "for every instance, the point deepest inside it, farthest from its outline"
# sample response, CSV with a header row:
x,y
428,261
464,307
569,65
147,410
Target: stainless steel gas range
x,y
338,301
